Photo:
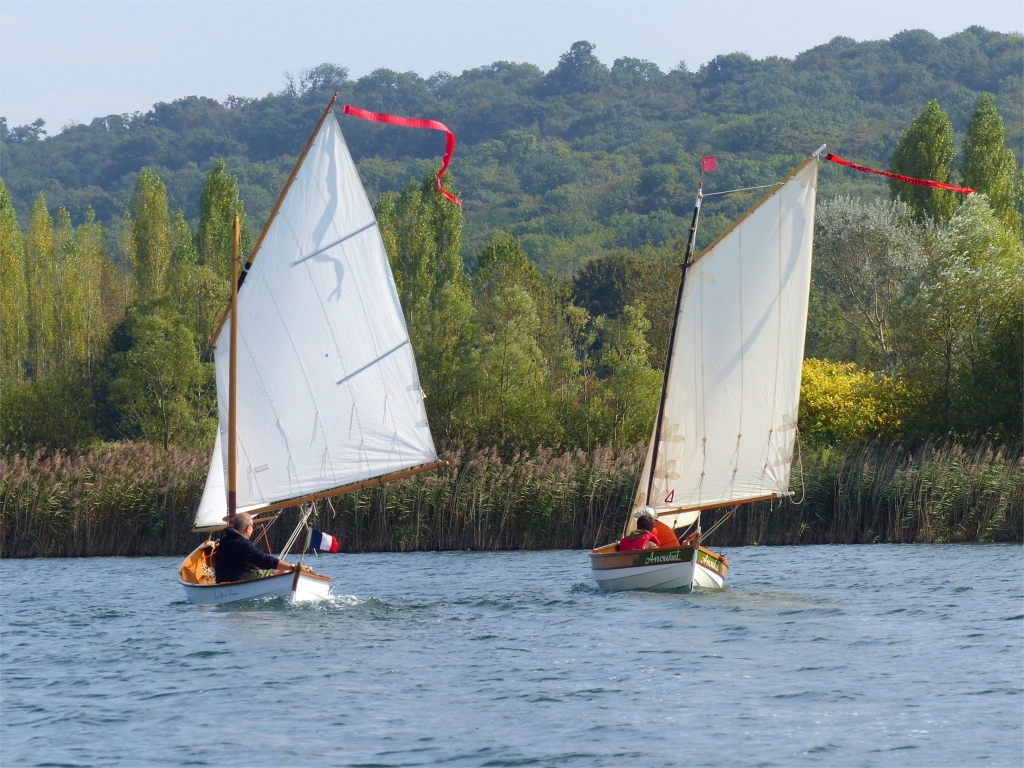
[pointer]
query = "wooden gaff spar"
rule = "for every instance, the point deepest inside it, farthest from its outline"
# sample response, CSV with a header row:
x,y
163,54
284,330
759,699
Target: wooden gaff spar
x,y
317,385
726,426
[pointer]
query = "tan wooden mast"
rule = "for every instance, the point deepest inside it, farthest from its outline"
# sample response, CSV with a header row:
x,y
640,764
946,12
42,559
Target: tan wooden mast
x,y
233,372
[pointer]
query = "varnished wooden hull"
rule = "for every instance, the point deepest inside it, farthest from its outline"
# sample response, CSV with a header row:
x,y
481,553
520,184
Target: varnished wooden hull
x,y
665,568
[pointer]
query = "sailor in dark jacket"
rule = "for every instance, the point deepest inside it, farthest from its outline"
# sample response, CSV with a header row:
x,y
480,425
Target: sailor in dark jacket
x,y
237,556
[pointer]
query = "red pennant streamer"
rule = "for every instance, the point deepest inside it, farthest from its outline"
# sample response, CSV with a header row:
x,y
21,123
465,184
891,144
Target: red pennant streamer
x,y
407,122
919,182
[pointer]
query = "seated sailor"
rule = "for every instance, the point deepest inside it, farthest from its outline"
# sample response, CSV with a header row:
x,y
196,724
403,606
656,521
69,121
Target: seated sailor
x,y
239,559
644,536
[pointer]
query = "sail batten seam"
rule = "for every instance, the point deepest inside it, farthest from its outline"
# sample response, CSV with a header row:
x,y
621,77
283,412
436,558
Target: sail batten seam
x,y
339,241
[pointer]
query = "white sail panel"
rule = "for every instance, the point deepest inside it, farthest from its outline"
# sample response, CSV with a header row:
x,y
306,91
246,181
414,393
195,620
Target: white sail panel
x,y
729,426
214,504
328,392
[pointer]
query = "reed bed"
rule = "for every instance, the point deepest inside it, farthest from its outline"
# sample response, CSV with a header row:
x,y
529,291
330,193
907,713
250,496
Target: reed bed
x,y
885,492
135,499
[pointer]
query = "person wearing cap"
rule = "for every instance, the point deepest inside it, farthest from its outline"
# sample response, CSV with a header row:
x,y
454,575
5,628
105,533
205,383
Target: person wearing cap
x,y
239,560
644,536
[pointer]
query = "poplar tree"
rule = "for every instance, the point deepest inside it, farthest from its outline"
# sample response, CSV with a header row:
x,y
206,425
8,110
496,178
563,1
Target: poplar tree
x,y
13,291
68,352
925,151
102,292
422,233
147,228
218,207
39,279
989,166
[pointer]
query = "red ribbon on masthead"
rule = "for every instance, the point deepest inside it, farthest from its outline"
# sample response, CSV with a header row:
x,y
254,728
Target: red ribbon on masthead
x,y
919,182
408,122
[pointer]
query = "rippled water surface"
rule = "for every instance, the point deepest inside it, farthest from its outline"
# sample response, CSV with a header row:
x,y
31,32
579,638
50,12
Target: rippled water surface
x,y
848,656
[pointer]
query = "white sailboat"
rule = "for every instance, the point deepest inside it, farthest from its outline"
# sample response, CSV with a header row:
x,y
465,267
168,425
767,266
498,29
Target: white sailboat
x,y
726,426
317,385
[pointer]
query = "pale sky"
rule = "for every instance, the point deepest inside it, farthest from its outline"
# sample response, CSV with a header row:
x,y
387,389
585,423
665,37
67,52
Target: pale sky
x,y
72,61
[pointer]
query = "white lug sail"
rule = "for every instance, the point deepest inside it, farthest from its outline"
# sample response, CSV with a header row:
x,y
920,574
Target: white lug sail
x,y
327,390
729,426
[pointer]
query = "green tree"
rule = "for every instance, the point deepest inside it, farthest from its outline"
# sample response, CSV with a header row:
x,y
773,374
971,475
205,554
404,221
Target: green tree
x,y
197,289
54,412
632,387
989,166
39,278
864,254
422,232
925,151
218,207
148,237
162,390
513,393
13,292
963,321
103,292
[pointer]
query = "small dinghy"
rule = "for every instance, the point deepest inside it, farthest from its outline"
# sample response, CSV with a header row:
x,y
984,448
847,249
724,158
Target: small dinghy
x,y
726,425
316,381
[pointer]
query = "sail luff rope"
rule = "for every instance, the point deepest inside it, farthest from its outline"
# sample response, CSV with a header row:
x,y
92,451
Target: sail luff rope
x,y
742,189
671,344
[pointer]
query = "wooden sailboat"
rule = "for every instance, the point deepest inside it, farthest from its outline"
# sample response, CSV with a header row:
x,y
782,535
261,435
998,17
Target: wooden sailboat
x,y
317,385
726,425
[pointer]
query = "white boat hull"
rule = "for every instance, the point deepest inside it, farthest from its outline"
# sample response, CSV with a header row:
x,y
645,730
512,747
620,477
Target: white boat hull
x,y
657,569
674,576
196,577
305,588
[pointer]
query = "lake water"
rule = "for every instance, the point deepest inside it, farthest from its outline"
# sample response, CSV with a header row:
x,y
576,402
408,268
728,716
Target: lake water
x,y
844,656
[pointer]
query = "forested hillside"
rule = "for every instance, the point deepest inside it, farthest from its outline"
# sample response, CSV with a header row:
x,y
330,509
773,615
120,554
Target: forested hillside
x,y
576,162
539,313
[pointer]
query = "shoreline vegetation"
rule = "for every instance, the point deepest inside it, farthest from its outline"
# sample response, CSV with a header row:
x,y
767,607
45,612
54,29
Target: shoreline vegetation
x,y
132,499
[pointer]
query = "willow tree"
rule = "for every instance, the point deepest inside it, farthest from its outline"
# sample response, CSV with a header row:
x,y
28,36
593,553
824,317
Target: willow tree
x,y
925,151
13,291
989,166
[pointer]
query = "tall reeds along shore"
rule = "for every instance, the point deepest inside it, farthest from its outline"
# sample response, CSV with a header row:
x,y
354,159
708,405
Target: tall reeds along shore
x,y
135,499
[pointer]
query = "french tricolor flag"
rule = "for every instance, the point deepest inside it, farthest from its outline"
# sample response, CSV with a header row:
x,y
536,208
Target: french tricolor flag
x,y
323,542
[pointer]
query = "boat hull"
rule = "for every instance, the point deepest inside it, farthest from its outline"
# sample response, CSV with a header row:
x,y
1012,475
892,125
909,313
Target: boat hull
x,y
196,577
306,587
665,568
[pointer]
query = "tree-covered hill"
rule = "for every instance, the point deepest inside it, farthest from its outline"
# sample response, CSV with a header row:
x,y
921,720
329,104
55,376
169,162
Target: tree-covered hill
x,y
576,162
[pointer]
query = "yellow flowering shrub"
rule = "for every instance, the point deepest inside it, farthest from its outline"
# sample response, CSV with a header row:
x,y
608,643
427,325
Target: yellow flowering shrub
x,y
845,403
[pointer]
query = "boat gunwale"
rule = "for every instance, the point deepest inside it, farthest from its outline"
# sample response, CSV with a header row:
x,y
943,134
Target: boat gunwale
x,y
289,574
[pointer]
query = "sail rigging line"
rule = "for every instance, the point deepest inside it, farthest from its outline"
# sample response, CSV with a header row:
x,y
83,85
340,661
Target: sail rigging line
x,y
671,342
718,524
741,189
274,212
907,179
768,196
410,122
